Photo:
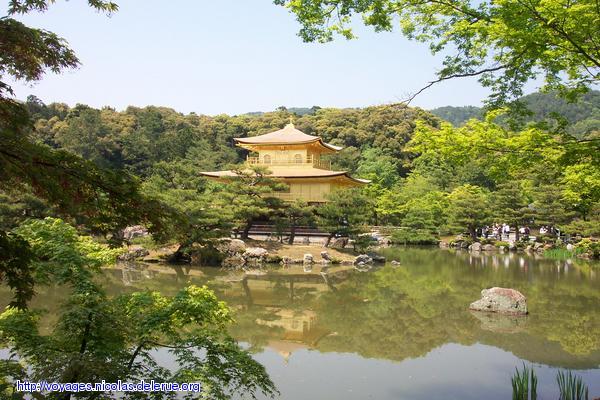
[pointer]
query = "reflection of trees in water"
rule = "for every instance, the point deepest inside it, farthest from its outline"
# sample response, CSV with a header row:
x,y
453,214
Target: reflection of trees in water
x,y
405,312
395,313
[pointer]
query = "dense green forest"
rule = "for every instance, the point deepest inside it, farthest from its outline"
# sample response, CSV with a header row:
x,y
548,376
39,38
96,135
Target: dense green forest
x,y
581,117
427,176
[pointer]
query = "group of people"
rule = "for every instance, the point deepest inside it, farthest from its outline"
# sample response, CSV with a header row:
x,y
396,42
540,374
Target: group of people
x,y
502,231
549,230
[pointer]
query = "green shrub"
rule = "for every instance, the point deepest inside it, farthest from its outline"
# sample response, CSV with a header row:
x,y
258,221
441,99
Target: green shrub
x,y
414,236
501,243
589,247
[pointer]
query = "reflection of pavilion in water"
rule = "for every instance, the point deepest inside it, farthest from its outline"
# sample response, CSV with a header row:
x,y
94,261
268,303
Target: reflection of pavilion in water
x,y
277,294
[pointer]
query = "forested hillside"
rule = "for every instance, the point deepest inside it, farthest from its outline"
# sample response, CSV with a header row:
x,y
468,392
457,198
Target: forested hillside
x,y
582,117
138,138
428,177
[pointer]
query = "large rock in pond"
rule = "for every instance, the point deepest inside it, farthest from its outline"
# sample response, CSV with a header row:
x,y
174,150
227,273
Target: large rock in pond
x,y
364,259
501,300
308,259
325,255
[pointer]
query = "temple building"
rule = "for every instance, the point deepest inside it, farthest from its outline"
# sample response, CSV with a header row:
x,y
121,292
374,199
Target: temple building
x,y
295,158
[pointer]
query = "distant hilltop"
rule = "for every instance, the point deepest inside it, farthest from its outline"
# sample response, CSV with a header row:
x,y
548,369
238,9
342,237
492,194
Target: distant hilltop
x,y
583,117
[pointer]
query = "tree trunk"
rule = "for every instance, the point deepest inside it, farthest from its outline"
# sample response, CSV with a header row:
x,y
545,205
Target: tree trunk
x,y
473,232
82,349
329,239
246,231
292,234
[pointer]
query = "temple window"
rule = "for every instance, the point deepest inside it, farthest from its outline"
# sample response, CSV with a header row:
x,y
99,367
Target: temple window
x,y
298,158
267,159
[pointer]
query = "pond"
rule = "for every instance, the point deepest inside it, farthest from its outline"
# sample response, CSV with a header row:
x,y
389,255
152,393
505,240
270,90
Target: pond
x,y
401,332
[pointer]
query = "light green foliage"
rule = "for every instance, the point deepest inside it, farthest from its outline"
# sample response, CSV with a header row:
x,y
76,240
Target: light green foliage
x,y
582,117
582,186
378,167
98,338
533,172
504,43
415,202
469,207
60,254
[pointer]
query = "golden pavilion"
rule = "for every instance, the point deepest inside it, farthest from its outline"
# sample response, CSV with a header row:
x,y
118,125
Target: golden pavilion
x,y
295,157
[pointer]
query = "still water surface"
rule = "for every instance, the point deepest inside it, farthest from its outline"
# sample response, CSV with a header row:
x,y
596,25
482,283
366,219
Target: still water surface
x,y
403,332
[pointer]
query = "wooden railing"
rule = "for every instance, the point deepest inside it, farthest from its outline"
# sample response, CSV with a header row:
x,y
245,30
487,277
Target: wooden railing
x,y
308,161
298,196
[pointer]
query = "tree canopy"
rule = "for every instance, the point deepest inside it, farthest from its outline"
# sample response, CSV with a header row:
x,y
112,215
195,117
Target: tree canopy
x,y
504,43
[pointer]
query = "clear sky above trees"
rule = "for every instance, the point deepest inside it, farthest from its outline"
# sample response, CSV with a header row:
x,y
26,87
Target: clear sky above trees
x,y
230,57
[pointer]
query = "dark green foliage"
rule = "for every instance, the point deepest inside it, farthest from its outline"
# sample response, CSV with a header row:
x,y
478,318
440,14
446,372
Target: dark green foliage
x,y
346,214
15,269
457,116
414,236
524,384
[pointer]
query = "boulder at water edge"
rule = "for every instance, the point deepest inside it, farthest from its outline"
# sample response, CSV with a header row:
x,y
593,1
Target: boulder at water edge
x,y
476,246
501,300
363,258
308,258
255,255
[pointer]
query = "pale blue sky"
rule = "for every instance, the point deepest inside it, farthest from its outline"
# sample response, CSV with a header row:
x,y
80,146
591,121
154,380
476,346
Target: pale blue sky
x,y
230,56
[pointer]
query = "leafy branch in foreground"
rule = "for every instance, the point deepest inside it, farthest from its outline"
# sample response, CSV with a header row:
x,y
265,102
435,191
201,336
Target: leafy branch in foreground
x,y
99,338
503,43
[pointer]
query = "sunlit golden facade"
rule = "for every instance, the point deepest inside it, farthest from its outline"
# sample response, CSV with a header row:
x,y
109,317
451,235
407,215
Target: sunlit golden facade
x,y
295,158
